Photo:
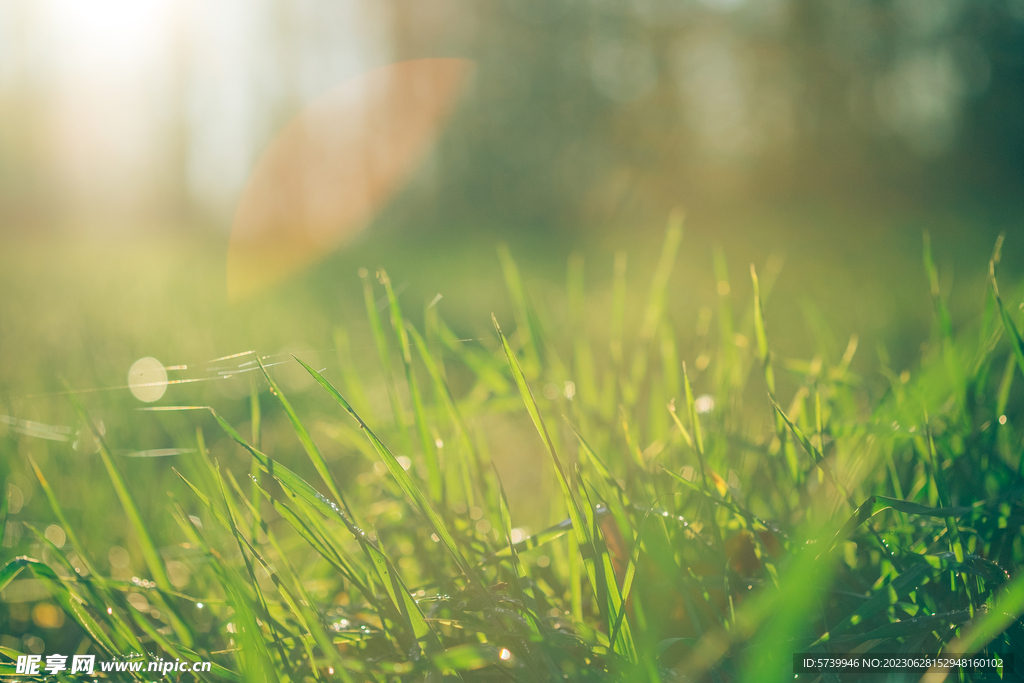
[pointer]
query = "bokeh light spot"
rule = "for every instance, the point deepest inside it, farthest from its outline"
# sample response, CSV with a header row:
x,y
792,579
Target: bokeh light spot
x,y
46,615
56,535
178,574
704,403
147,379
119,557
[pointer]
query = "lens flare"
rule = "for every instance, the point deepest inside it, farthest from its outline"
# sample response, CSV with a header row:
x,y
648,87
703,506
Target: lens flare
x,y
332,168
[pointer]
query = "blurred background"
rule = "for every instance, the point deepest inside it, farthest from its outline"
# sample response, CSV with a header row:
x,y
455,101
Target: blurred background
x,y
775,122
815,139
823,137
147,116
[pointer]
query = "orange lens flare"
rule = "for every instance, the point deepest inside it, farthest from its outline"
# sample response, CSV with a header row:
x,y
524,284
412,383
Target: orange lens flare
x,y
331,169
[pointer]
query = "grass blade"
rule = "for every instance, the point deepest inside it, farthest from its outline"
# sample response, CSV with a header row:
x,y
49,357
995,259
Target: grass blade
x,y
520,309
819,459
444,393
416,496
306,440
1016,341
944,499
1006,610
583,529
346,363
656,299
309,496
385,360
149,551
403,478
434,480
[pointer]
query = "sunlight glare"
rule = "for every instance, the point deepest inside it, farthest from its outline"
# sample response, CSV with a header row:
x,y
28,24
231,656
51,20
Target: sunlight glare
x,y
105,35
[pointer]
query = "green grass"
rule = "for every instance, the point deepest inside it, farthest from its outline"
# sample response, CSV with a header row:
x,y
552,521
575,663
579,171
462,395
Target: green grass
x,y
707,507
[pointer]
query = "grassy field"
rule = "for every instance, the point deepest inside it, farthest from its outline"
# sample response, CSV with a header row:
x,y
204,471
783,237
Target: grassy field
x,y
686,503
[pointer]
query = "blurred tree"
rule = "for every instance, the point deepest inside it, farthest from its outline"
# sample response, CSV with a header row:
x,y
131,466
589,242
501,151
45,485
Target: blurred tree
x,y
582,114
589,113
